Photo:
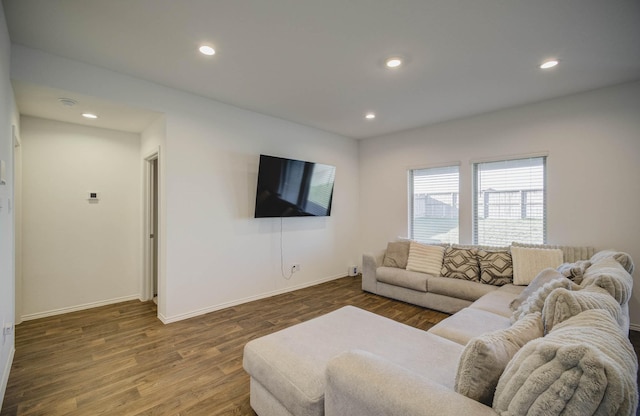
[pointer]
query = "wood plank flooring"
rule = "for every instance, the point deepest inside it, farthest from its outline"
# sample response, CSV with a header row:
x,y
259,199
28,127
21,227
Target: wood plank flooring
x,y
121,360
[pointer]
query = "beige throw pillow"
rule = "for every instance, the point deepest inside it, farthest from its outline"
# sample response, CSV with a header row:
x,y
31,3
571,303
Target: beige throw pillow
x,y
425,258
528,262
485,358
396,255
535,302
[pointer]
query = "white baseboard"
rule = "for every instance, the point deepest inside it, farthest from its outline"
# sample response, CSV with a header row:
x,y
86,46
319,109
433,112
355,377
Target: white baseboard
x,y
634,327
76,308
180,317
5,375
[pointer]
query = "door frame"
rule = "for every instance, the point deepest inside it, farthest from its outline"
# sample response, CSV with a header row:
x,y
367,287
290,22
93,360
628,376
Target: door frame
x,y
146,292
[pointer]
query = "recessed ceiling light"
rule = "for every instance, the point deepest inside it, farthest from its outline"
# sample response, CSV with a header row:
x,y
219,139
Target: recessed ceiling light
x,y
206,50
393,62
370,116
549,64
89,115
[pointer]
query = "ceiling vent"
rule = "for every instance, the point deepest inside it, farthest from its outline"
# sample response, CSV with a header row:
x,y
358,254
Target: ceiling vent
x,y
67,102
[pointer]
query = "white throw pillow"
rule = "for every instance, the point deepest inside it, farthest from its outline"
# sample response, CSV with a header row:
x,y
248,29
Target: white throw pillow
x,y
425,258
528,262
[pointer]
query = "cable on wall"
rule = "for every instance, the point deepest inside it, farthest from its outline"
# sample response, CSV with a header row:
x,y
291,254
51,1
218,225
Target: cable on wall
x,y
282,256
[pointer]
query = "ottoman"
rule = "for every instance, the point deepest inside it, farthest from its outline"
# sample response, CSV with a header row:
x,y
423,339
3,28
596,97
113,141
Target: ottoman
x,y
287,368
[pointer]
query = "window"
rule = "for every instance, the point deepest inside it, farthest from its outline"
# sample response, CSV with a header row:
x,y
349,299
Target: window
x,y
434,204
509,201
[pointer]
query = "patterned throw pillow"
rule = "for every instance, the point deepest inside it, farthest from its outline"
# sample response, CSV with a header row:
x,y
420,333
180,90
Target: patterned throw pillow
x,y
461,263
496,267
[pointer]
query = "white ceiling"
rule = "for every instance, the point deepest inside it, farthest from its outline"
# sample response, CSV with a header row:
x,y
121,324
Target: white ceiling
x,y
320,63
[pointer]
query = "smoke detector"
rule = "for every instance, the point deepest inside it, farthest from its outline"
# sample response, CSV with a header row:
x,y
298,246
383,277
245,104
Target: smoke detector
x,y
67,102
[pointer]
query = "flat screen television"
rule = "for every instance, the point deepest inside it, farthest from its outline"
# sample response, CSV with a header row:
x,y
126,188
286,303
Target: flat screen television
x,y
293,188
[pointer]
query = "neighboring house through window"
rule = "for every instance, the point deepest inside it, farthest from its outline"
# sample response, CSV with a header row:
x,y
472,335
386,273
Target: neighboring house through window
x,y
433,204
509,201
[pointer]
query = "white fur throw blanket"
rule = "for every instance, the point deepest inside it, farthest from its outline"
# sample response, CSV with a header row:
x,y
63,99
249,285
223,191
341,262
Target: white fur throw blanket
x,y
610,275
585,366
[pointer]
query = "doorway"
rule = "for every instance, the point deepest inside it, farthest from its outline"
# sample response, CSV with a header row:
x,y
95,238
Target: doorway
x,y
151,233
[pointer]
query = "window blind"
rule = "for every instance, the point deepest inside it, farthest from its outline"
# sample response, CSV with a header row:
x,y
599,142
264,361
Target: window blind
x,y
433,216
509,202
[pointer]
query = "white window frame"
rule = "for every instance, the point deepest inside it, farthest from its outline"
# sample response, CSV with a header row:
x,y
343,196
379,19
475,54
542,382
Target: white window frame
x,y
520,209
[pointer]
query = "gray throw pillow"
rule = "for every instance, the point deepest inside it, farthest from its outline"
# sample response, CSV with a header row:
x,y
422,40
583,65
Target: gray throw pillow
x,y
397,254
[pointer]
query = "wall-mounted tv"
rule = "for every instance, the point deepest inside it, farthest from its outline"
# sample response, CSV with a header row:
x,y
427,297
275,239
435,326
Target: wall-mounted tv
x,y
293,188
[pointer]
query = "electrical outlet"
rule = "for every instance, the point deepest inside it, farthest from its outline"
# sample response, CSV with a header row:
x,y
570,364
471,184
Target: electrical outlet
x,y
7,328
295,268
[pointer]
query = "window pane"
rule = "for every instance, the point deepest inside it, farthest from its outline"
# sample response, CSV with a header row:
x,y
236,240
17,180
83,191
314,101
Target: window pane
x,y
509,202
433,207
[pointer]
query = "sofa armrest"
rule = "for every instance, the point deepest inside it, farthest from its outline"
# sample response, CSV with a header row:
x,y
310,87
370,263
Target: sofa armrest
x,y
359,383
370,262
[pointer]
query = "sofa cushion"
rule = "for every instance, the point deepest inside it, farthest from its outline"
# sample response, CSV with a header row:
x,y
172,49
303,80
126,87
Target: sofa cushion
x,y
624,259
496,302
469,323
397,254
535,302
496,267
456,288
402,278
425,258
486,356
584,366
610,275
461,263
540,280
562,304
528,262
291,363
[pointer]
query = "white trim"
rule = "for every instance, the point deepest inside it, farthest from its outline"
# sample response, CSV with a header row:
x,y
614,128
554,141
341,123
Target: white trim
x,y
544,153
434,165
634,327
5,374
76,308
198,312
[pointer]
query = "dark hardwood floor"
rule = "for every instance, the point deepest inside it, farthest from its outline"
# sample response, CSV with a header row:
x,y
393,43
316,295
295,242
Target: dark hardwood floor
x,y
121,360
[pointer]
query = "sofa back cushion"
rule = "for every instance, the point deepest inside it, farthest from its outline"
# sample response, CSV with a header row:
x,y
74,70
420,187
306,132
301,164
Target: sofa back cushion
x,y
425,258
461,263
397,254
584,366
486,356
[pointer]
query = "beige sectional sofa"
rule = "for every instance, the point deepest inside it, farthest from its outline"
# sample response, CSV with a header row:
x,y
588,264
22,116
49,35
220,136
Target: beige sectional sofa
x,y
553,347
454,283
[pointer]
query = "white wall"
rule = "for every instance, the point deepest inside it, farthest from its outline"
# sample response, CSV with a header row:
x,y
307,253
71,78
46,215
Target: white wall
x,y
593,169
8,117
216,253
78,253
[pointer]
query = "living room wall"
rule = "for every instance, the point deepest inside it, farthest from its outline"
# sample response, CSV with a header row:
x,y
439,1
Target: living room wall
x,y
8,118
78,253
593,188
216,253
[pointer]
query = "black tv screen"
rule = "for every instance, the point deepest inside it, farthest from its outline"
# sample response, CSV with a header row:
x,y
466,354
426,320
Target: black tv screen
x,y
293,188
